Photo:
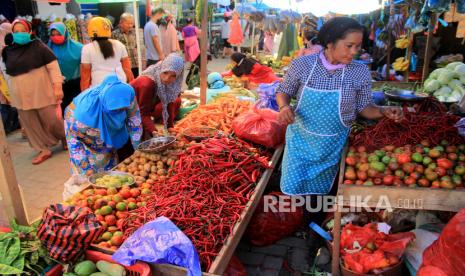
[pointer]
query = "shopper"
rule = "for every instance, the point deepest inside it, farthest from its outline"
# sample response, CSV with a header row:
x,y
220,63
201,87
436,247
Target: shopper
x,y
152,38
311,45
225,30
268,43
169,36
193,76
191,43
160,85
250,70
98,122
126,34
103,56
331,91
68,53
36,86
216,85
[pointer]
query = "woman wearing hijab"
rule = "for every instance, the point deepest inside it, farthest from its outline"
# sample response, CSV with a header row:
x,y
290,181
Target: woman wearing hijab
x,y
68,53
169,36
250,70
36,84
103,56
191,43
160,85
98,122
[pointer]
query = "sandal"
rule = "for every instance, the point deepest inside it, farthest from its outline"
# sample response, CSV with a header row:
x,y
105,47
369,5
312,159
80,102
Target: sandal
x,y
41,158
64,144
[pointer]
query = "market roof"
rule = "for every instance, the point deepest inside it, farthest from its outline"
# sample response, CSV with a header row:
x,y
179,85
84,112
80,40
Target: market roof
x,y
321,8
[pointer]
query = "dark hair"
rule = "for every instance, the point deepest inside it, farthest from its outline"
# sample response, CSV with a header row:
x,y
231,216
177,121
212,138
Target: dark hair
x,y
245,66
338,28
311,36
189,21
157,11
226,18
106,47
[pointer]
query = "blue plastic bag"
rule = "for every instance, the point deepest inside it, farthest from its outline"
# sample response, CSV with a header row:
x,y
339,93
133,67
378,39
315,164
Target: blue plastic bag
x,y
160,242
267,96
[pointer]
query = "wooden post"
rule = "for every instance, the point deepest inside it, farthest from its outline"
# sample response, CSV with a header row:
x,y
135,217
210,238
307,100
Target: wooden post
x,y
136,26
388,58
336,241
429,43
10,194
203,54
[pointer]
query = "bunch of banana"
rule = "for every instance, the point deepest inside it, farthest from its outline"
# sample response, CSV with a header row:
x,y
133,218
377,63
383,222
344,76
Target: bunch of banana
x,y
401,64
402,43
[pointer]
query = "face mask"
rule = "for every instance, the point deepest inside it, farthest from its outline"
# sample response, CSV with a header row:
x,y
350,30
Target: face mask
x,y
21,38
58,39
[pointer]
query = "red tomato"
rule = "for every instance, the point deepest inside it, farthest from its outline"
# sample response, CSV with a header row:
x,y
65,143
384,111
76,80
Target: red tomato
x,y
351,161
445,163
110,219
388,180
403,158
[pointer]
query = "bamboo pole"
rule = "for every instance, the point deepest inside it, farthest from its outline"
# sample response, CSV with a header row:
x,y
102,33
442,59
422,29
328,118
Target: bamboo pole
x,y
388,58
10,193
203,54
429,43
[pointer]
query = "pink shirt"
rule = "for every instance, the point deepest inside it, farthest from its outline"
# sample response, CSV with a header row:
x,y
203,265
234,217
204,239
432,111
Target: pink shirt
x,y
310,51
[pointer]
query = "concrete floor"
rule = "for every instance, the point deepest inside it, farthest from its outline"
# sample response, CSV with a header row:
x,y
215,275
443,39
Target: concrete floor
x,y
42,185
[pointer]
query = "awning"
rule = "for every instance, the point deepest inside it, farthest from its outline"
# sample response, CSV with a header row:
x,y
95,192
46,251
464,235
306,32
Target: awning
x,y
321,8
102,1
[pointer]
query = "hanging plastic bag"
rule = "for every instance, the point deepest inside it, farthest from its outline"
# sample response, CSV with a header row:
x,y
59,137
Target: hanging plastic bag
x,y
260,126
438,6
445,256
267,96
67,231
160,242
235,268
268,225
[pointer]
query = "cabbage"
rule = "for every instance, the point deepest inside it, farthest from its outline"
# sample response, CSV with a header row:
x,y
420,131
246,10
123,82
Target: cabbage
x,y
455,83
453,65
462,79
454,97
460,70
445,77
431,85
443,91
435,73
441,98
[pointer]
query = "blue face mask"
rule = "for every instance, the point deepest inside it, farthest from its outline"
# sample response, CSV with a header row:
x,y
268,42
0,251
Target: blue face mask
x,y
21,38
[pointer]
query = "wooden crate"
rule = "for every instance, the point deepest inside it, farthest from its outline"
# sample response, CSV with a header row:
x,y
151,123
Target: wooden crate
x,y
221,262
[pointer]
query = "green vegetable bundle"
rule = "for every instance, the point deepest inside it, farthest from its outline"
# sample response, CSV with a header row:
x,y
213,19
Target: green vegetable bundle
x,y
21,252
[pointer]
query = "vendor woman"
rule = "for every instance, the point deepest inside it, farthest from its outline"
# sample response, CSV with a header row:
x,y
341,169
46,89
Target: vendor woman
x,y
157,92
331,91
251,70
99,122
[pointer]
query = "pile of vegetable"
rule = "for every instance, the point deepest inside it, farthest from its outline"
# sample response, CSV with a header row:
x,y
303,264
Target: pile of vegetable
x,y
114,181
415,127
423,165
218,114
210,187
21,252
447,84
100,268
111,206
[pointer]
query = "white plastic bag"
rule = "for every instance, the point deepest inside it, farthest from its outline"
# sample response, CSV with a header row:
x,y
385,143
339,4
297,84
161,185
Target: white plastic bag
x,y
73,185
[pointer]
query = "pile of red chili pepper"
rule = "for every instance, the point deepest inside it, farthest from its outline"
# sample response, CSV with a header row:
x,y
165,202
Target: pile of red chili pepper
x,y
206,194
415,127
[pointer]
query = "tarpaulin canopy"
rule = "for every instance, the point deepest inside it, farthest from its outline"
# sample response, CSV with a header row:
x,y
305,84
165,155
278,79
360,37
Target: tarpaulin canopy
x,y
321,8
53,1
102,1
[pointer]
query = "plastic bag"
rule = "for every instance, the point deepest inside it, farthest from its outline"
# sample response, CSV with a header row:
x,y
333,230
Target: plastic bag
x,y
447,253
266,228
260,126
161,242
235,268
74,185
267,96
67,231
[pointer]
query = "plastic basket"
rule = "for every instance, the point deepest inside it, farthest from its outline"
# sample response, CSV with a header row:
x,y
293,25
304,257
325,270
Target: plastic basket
x,y
138,269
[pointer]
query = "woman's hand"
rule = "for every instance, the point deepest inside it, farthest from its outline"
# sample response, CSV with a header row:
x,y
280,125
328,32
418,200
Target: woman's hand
x,y
58,91
286,115
394,113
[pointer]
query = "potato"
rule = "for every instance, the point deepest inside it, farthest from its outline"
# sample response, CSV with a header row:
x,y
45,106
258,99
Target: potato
x,y
153,169
157,157
142,160
144,174
123,169
127,161
135,173
140,167
161,172
147,167
164,159
154,177
137,154
160,165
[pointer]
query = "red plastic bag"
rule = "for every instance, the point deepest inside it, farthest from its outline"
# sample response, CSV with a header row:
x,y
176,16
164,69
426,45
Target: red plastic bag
x,y
260,126
447,254
266,228
235,268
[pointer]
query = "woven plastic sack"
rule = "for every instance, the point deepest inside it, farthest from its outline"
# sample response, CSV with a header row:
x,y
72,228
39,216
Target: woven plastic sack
x,y
235,268
67,231
267,96
160,242
260,126
266,228
447,254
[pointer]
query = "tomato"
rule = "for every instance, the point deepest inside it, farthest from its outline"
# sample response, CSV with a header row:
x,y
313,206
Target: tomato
x,y
351,161
388,180
359,182
364,167
440,171
389,148
350,174
135,192
361,149
425,143
460,170
431,176
348,182
378,181
415,175
125,193
121,214
116,240
410,181
102,192
112,204
445,163
453,156
423,182
119,224
408,168
435,184
99,217
419,169
110,219
398,182
403,158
